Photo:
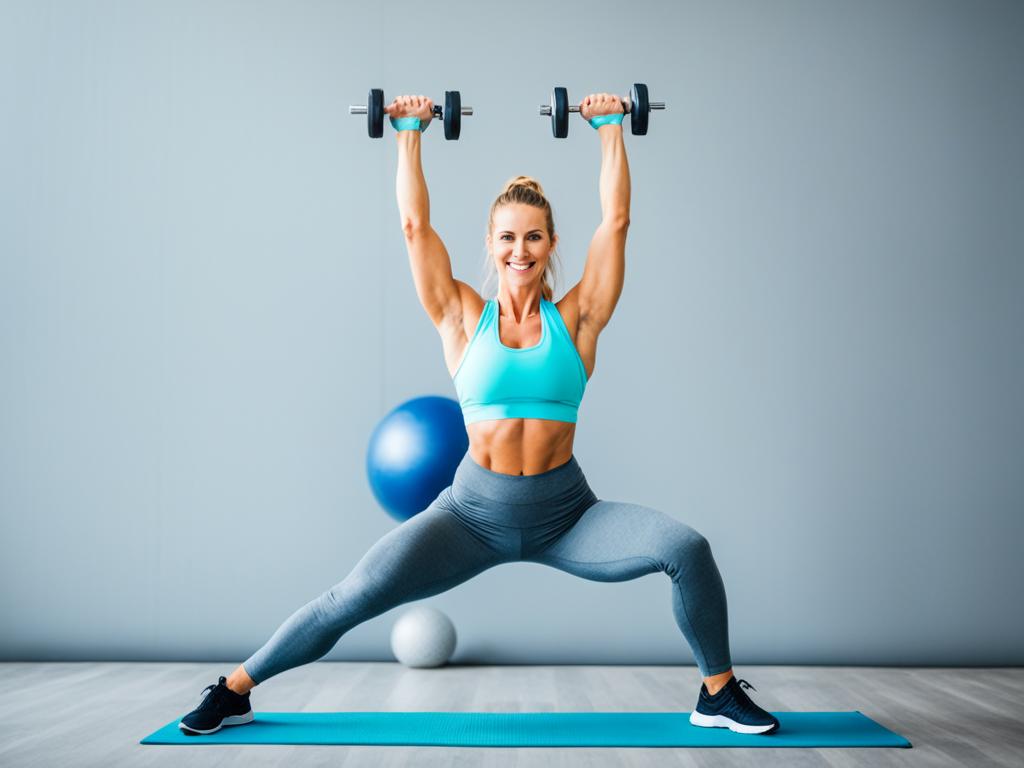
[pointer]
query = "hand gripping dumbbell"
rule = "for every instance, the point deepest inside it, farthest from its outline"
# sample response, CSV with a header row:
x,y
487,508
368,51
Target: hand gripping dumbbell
x,y
451,113
636,105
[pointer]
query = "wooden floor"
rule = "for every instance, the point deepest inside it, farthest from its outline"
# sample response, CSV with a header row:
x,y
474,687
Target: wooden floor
x,y
94,714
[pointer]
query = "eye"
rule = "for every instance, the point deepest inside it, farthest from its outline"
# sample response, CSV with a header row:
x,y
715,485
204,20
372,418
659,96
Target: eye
x,y
534,236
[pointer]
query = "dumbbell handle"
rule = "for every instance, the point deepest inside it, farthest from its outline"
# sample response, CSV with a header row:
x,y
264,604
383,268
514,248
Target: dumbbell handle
x,y
546,109
361,110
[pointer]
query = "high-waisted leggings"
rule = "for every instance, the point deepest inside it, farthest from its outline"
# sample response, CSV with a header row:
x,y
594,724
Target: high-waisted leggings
x,y
486,518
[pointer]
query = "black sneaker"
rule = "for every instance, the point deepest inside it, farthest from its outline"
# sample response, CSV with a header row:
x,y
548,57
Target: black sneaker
x,y
220,707
731,708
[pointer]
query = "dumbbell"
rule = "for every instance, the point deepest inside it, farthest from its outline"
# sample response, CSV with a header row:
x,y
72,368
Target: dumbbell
x,y
637,106
451,114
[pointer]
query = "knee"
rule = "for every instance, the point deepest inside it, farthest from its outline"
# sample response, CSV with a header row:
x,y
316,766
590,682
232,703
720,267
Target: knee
x,y
344,599
693,543
690,550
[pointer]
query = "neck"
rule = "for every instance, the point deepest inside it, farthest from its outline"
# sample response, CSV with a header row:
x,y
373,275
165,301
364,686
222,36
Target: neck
x,y
519,303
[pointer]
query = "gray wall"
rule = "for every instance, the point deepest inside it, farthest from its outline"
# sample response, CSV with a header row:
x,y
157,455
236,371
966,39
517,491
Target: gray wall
x,y
206,306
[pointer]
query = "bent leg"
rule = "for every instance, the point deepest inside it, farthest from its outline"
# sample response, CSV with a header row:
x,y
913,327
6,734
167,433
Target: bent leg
x,y
616,541
429,553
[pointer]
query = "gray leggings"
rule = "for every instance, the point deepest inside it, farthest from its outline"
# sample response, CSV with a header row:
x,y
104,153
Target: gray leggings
x,y
486,518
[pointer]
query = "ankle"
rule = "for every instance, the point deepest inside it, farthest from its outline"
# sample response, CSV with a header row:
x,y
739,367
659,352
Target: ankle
x,y
237,687
715,683
240,682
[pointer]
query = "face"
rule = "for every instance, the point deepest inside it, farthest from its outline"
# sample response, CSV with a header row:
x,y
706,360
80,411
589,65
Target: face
x,y
520,236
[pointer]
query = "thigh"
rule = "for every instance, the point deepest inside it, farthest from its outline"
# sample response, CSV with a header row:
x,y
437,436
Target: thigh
x,y
429,553
618,541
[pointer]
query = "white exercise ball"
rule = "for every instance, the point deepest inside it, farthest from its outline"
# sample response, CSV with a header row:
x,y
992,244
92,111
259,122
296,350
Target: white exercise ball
x,y
423,637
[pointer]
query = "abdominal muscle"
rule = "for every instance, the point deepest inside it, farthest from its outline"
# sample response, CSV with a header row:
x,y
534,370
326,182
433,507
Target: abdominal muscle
x,y
521,446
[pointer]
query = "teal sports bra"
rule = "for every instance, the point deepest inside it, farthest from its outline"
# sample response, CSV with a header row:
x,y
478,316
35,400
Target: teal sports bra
x,y
545,381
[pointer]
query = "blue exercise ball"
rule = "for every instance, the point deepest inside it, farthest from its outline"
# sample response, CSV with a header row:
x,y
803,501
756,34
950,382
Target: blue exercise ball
x,y
414,452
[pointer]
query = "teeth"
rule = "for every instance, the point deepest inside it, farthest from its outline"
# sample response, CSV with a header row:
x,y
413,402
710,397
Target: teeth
x,y
520,269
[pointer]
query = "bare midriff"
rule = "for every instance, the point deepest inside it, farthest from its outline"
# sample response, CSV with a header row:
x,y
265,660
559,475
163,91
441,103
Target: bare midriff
x,y
521,446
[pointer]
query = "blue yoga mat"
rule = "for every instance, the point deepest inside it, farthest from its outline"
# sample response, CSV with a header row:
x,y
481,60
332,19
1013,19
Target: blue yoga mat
x,y
536,729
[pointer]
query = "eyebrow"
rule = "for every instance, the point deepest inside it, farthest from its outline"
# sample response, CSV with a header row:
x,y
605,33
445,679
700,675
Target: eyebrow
x,y
510,232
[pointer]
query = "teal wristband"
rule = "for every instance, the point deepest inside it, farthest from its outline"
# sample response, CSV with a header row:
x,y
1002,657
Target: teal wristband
x,y
600,120
407,124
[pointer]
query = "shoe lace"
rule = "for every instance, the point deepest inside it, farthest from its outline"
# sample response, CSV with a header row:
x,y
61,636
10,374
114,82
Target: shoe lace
x,y
213,697
744,705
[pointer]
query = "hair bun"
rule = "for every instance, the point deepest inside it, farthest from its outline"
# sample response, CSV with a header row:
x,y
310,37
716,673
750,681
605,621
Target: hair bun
x,y
524,181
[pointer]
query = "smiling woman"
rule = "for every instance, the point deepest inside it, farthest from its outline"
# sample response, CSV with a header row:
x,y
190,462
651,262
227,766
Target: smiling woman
x,y
521,191
520,363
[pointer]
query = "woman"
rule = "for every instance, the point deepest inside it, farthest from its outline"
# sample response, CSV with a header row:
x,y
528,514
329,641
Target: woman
x,y
520,364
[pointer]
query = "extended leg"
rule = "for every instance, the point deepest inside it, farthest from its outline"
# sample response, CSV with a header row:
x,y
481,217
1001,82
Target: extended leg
x,y
427,554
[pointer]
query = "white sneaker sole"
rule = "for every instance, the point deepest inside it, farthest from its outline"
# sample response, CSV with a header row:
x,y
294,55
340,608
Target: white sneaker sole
x,y
248,717
721,721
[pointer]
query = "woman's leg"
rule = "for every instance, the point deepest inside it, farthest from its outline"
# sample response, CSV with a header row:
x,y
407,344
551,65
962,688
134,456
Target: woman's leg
x,y
429,553
615,541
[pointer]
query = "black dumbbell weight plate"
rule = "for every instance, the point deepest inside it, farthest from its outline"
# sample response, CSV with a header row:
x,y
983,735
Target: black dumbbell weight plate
x,y
375,113
560,113
640,109
452,115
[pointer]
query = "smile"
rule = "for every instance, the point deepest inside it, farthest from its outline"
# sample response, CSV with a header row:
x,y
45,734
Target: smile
x,y
518,268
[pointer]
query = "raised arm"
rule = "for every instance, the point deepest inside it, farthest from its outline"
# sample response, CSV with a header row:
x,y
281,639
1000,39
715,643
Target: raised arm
x,y
413,200
605,270
431,267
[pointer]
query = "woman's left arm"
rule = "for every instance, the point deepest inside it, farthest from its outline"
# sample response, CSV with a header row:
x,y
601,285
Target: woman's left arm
x,y
605,270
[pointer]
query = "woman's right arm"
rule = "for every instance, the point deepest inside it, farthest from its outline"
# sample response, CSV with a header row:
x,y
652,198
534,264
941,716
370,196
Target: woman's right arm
x,y
413,200
438,291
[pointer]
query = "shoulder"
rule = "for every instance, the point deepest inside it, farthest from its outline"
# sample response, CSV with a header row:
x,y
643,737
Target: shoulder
x,y
467,304
466,312
569,307
472,303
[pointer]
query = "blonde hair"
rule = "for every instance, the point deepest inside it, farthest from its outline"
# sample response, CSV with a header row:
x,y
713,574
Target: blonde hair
x,y
525,191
